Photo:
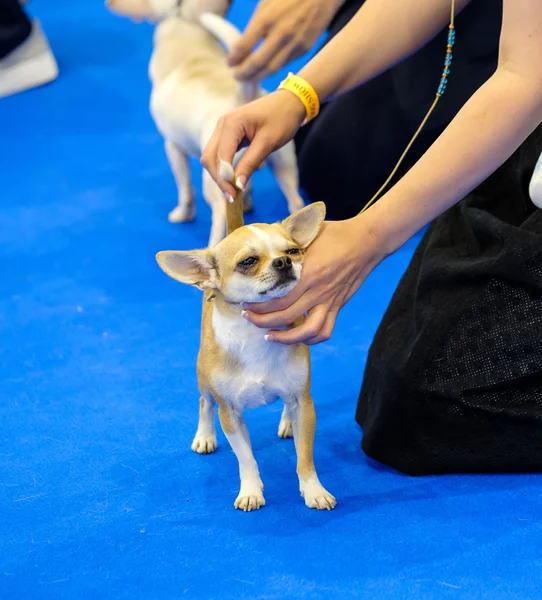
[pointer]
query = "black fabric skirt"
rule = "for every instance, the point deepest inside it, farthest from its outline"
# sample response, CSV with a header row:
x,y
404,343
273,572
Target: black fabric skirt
x,y
453,381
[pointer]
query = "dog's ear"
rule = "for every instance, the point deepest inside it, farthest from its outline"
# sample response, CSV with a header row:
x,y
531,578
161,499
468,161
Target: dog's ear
x,y
217,7
192,10
196,267
138,10
303,226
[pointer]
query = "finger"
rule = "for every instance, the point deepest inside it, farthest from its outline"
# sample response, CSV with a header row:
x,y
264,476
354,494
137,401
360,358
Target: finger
x,y
326,331
279,304
209,156
309,329
253,33
212,163
282,318
258,150
256,65
221,150
282,58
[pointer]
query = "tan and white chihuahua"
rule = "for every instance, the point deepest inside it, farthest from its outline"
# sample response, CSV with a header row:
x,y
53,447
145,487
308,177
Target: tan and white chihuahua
x,y
192,86
237,367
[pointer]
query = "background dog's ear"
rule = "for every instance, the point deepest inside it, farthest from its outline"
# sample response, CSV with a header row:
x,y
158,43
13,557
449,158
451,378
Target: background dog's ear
x,y
193,9
303,226
138,10
196,267
217,7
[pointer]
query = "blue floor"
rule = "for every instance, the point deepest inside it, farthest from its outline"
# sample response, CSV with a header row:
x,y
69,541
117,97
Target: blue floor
x,y
100,495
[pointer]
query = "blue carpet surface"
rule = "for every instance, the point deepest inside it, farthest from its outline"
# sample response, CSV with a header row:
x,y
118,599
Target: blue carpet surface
x,y
100,495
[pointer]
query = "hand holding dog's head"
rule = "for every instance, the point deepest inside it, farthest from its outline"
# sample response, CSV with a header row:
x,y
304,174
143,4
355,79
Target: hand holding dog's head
x,y
156,10
255,263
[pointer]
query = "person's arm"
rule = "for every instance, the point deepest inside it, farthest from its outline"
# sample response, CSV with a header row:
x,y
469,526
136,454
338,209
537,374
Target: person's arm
x,y
485,133
381,34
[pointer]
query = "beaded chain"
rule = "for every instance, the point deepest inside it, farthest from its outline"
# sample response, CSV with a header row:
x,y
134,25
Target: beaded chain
x,y
441,89
448,61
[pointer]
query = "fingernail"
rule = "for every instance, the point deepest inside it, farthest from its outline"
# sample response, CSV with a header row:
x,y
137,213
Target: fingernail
x,y
268,338
229,198
241,182
244,314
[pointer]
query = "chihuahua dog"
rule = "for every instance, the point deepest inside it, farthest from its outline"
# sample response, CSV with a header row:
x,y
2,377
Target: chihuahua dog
x,y
192,86
237,367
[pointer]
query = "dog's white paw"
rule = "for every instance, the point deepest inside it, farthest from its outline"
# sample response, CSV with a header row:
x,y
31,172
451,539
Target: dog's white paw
x,y
248,501
285,428
316,496
182,214
204,443
250,495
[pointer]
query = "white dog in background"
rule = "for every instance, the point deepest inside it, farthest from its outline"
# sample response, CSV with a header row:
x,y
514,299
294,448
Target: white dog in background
x,y
192,88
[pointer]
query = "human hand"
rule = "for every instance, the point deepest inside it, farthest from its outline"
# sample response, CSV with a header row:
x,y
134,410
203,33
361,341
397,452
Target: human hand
x,y
334,268
288,30
264,125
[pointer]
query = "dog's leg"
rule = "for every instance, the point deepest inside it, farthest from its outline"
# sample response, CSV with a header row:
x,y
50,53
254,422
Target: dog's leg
x,y
186,209
251,493
217,202
247,198
284,166
304,423
285,425
205,438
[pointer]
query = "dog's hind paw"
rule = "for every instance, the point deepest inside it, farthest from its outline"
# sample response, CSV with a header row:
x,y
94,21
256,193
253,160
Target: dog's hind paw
x,y
285,428
204,443
182,214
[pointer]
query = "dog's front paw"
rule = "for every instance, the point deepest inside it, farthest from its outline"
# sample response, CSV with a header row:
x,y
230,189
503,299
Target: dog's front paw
x,y
249,501
182,214
250,496
204,443
316,496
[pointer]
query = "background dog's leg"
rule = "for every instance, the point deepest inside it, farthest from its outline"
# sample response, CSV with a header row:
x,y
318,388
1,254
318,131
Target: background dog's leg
x,y
284,166
285,425
215,199
251,493
304,424
185,209
247,198
205,438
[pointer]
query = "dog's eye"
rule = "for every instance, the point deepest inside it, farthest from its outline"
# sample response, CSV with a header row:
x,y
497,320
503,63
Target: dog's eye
x,y
292,251
248,262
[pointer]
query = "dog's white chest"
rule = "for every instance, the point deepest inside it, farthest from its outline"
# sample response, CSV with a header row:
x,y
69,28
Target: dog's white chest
x,y
268,371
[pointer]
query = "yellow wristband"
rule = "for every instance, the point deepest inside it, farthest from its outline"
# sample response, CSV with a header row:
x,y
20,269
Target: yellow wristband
x,y
305,92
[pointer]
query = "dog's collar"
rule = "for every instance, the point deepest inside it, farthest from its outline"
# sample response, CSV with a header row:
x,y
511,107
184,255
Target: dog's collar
x,y
212,296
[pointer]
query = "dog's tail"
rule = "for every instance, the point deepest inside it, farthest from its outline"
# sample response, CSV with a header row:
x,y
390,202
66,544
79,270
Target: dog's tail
x,y
234,210
228,35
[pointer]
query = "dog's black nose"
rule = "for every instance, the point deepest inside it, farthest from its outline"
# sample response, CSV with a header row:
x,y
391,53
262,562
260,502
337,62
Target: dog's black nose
x,y
284,263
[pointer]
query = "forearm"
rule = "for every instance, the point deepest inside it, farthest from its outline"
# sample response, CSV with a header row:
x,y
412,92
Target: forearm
x,y
381,34
483,135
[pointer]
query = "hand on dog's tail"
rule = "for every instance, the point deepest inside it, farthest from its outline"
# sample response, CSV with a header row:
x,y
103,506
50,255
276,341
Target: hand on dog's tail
x,y
228,35
234,208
